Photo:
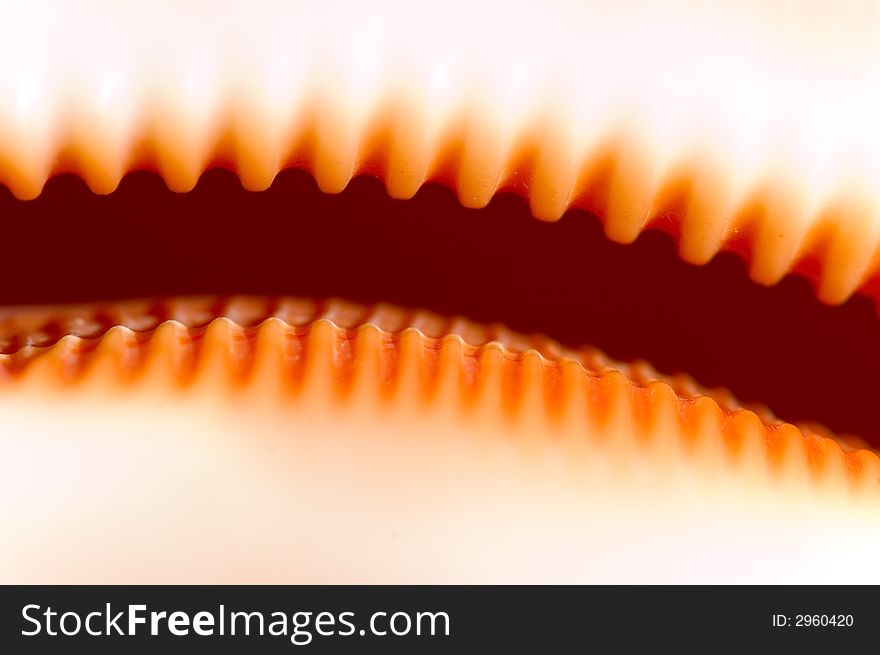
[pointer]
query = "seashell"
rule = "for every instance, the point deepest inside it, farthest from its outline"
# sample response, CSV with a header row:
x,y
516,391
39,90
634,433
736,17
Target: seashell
x,y
764,144
271,437
311,428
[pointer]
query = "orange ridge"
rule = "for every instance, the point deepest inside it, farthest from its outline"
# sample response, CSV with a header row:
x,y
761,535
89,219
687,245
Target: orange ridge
x,y
838,256
483,360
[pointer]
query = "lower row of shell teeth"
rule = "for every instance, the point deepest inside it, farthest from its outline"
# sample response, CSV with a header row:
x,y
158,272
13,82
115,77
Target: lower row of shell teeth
x,y
743,124
378,360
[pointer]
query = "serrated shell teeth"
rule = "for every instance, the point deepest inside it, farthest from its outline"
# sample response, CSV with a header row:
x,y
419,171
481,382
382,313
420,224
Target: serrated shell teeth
x,y
410,148
553,179
736,127
367,358
778,234
482,160
710,206
633,182
851,247
375,412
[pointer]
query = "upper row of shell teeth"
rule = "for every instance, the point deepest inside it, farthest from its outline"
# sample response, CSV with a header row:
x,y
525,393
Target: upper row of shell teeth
x,y
732,120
